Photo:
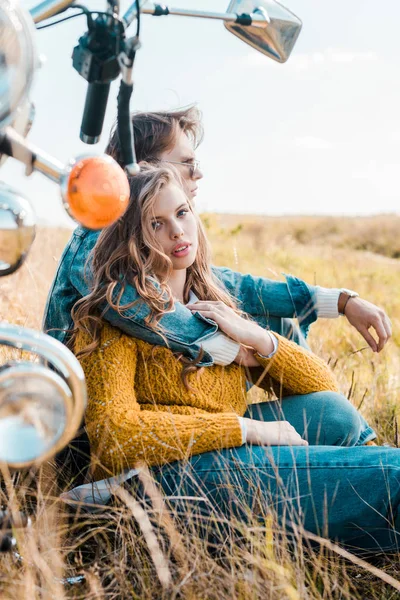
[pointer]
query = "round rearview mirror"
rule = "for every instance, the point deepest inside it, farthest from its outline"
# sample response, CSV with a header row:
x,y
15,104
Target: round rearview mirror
x,y
35,411
17,229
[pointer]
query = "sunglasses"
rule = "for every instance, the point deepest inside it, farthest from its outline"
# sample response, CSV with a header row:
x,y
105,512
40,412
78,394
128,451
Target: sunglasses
x,y
193,167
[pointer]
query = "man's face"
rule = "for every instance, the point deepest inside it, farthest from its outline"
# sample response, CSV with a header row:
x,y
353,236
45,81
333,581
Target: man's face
x,y
183,152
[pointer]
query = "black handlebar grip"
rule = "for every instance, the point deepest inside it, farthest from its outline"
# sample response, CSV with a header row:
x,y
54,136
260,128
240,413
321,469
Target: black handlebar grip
x,y
125,128
94,112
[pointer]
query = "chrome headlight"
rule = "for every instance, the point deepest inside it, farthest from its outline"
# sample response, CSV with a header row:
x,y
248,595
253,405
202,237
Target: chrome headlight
x,y
18,58
40,409
35,408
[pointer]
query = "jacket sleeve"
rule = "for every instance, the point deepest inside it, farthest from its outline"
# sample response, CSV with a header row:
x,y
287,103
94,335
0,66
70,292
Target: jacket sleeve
x,y
293,370
263,298
121,433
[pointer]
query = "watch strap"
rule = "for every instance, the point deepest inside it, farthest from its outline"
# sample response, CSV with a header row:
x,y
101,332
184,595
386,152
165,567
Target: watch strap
x,y
344,297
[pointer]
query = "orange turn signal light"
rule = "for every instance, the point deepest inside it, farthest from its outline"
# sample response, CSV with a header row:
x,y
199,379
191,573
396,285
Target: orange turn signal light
x,y
96,191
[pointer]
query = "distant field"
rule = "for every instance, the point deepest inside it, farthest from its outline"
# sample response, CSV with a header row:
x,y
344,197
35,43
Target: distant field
x,y
358,253
377,234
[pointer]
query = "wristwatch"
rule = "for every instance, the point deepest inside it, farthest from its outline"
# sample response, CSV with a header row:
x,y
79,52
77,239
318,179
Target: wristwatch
x,y
344,297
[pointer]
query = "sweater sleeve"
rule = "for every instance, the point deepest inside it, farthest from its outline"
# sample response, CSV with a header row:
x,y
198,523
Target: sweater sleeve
x,y
293,370
121,434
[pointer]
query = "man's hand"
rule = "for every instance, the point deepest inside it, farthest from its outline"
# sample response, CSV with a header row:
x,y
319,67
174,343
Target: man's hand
x,y
363,315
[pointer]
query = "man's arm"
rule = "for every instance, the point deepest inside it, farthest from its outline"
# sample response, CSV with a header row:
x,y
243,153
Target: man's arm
x,y
361,314
262,297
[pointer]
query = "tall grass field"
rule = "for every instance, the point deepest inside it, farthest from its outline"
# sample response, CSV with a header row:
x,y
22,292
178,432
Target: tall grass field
x,y
145,550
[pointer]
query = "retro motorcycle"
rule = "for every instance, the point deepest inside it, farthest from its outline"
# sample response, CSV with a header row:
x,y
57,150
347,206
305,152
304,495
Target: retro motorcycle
x,y
42,401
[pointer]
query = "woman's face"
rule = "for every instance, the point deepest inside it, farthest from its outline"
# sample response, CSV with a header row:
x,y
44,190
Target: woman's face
x,y
175,226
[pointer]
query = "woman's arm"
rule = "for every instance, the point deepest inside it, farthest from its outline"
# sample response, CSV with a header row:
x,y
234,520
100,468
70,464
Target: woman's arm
x,y
294,369
121,433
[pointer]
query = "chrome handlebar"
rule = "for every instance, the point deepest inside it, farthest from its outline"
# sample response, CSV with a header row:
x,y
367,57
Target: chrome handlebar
x,y
49,8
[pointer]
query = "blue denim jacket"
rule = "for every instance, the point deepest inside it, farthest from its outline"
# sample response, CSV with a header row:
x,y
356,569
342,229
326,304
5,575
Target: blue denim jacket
x,y
267,301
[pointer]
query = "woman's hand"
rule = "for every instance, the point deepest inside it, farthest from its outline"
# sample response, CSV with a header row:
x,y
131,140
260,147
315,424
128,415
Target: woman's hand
x,y
274,433
245,357
233,325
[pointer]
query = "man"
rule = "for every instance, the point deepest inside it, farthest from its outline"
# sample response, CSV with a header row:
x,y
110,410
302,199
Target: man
x,y
173,137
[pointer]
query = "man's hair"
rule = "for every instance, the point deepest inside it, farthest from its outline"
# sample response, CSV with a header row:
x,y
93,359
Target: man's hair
x,y
155,132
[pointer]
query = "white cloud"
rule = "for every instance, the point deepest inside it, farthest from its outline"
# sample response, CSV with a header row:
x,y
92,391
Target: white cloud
x,y
343,56
330,56
307,61
312,143
256,59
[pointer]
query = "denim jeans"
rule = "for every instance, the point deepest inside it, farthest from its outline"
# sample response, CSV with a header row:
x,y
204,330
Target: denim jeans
x,y
322,418
346,492
296,407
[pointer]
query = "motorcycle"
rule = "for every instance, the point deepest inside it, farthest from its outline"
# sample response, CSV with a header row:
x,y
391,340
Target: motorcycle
x,y
42,402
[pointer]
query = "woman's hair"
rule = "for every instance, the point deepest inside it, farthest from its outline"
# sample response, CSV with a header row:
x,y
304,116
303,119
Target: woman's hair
x,y
127,253
155,132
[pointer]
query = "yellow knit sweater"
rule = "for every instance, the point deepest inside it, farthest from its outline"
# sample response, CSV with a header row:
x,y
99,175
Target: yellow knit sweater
x,y
139,409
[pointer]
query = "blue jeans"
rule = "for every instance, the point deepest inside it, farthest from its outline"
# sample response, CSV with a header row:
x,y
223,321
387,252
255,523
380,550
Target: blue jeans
x,y
323,418
295,406
346,492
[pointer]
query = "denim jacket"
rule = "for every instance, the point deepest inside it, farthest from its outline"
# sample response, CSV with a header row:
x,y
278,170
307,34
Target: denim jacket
x,y
267,301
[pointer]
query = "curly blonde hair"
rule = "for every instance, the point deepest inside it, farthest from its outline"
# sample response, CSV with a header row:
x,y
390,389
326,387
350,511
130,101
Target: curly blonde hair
x,y
127,253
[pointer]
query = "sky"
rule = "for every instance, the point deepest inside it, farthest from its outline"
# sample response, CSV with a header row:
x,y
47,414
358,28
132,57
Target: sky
x,y
319,134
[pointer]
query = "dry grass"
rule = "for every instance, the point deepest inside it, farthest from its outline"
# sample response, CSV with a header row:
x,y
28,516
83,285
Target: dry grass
x,y
136,551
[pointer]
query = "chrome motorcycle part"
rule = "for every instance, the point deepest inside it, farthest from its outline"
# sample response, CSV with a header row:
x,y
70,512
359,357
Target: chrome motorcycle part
x,y
100,56
161,10
35,407
265,25
18,58
94,189
22,122
278,38
13,144
49,8
40,410
17,229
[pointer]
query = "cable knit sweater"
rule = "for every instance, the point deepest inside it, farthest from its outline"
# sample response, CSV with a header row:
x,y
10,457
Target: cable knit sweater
x,y
139,409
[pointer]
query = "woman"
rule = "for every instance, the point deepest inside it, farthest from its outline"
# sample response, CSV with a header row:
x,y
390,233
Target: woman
x,y
191,425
